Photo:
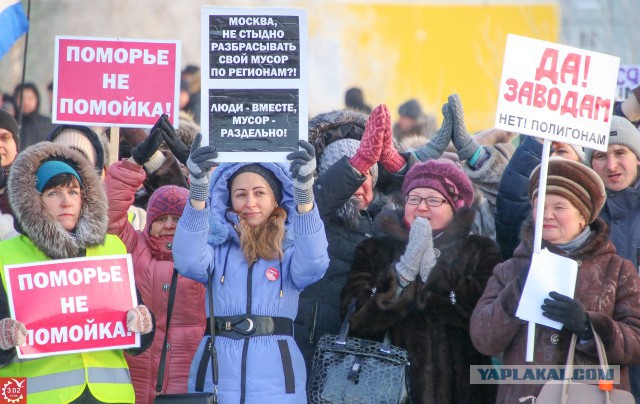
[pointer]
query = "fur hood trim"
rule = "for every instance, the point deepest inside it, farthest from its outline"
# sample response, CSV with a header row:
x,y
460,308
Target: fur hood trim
x,y
326,128
32,218
222,220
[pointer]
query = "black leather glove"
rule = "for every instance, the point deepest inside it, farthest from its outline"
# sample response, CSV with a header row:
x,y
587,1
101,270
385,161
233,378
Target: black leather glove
x,y
143,152
569,312
171,138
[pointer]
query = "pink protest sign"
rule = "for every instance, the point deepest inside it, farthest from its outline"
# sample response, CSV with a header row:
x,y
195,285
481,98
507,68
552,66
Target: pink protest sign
x,y
73,305
115,82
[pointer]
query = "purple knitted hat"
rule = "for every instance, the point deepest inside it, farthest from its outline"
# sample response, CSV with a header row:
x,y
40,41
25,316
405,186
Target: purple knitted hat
x,y
445,178
166,200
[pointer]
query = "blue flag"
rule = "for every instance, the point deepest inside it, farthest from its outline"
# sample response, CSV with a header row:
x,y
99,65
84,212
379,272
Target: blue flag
x,y
13,24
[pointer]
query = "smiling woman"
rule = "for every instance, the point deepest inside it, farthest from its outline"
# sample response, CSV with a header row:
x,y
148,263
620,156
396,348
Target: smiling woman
x,y
259,235
419,279
607,292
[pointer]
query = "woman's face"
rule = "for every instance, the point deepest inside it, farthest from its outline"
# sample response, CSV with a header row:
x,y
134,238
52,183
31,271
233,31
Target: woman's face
x,y
252,198
562,222
63,203
439,217
564,150
164,225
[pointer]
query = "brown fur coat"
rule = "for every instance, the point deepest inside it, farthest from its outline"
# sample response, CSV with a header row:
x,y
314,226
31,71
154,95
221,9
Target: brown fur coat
x,y
607,286
429,319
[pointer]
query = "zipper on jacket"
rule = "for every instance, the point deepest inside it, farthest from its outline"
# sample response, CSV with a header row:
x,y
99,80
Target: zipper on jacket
x,y
245,345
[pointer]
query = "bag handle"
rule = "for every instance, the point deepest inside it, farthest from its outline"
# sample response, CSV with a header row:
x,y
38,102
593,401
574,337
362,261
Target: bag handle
x,y
602,359
212,343
212,348
163,355
344,330
385,346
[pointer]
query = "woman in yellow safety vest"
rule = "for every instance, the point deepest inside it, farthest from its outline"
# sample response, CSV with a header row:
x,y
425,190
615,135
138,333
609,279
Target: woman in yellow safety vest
x,y
60,210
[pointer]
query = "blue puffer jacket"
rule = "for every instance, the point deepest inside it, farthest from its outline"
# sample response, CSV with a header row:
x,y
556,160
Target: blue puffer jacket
x,y
512,201
207,238
621,211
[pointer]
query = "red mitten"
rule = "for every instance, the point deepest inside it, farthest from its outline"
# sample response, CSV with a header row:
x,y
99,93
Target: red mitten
x,y
12,333
370,148
389,156
139,320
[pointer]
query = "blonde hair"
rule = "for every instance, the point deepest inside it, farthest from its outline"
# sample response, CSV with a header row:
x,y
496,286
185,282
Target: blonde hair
x,y
265,240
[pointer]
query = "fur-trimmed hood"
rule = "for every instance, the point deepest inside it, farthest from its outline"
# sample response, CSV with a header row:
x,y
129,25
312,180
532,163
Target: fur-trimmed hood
x,y
328,127
31,217
221,220
390,223
598,242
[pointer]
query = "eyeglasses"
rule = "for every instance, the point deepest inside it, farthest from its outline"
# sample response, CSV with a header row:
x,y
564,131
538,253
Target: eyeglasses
x,y
432,201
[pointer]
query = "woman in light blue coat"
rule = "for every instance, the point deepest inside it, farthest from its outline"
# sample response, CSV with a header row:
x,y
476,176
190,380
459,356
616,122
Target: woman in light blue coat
x,y
261,235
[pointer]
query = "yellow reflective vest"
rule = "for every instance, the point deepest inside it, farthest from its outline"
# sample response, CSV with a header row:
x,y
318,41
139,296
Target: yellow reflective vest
x,y
63,378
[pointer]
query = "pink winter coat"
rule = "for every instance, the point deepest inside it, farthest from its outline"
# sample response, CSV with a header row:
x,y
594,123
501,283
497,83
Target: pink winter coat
x,y
153,268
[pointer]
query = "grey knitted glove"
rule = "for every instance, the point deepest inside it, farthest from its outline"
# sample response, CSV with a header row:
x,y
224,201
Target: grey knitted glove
x,y
429,256
199,164
438,144
409,265
464,143
303,165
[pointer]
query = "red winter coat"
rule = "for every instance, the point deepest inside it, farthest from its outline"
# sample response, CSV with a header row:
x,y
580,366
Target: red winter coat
x,y
153,268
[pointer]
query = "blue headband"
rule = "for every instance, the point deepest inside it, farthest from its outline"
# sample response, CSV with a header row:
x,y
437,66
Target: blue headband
x,y
50,169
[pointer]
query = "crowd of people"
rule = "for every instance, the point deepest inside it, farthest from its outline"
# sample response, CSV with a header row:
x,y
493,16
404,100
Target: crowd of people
x,y
429,230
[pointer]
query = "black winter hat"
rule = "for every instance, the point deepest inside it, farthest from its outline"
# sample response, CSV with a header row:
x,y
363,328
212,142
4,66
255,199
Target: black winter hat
x,y
411,108
268,175
8,122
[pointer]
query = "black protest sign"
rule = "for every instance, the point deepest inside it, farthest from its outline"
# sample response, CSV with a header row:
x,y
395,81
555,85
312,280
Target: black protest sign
x,y
254,47
254,120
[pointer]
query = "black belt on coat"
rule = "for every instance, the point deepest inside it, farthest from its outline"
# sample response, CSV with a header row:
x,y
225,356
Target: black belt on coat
x,y
241,327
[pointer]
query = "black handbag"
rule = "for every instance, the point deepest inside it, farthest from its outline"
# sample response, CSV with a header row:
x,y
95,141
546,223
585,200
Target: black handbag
x,y
352,370
188,398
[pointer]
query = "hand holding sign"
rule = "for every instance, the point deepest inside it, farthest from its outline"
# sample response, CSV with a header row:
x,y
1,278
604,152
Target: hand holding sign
x,y
569,312
12,333
139,319
199,163
303,166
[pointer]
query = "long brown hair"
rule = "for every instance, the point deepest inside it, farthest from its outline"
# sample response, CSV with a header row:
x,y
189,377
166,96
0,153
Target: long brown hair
x,y
263,241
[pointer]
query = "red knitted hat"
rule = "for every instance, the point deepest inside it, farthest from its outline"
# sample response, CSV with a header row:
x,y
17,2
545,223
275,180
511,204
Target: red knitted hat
x,y
445,178
166,200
